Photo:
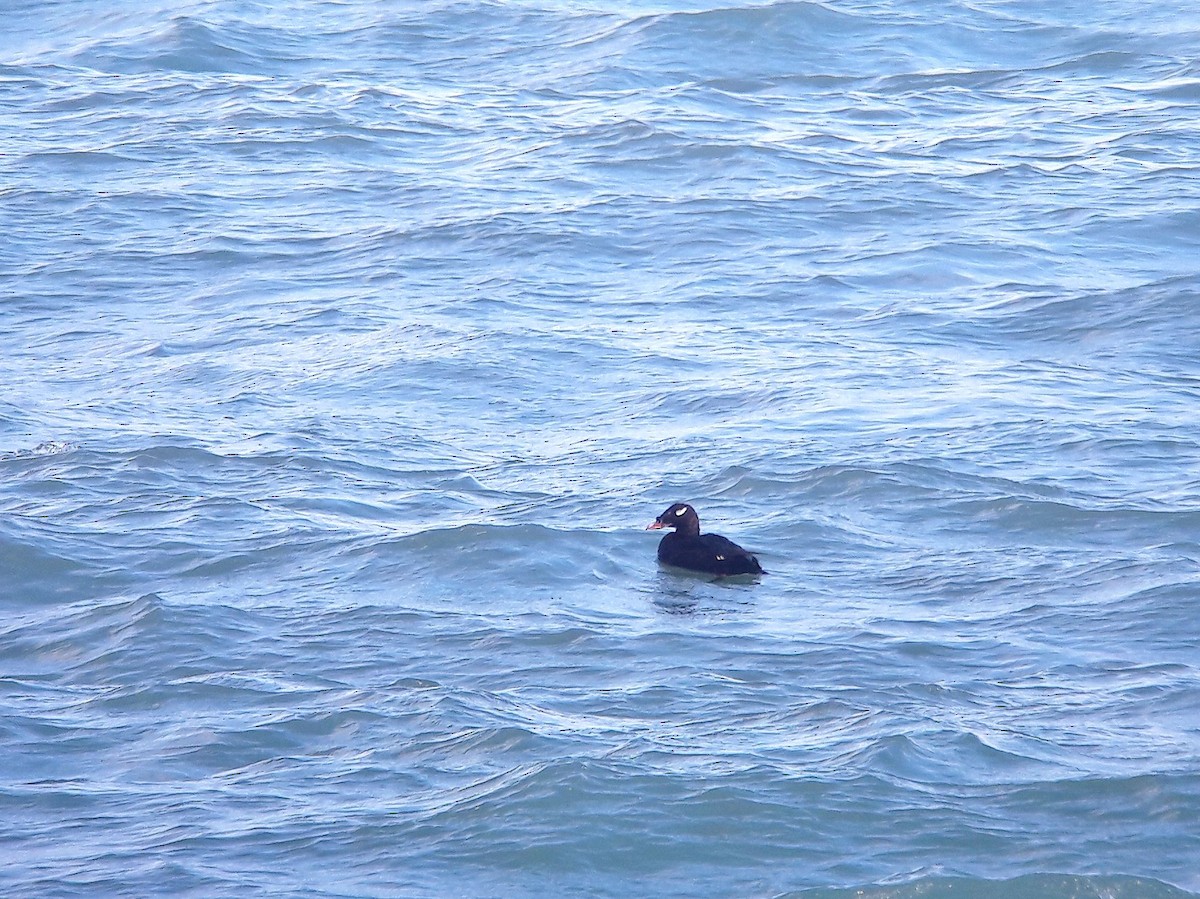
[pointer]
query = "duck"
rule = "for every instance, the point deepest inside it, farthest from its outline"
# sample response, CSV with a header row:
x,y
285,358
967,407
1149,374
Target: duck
x,y
687,548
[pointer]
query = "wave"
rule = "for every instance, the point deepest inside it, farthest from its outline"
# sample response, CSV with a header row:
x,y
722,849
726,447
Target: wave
x,y
1029,886
1159,307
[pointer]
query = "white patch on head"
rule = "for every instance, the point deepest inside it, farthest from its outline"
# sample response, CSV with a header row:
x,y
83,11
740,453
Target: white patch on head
x,y
720,558
681,510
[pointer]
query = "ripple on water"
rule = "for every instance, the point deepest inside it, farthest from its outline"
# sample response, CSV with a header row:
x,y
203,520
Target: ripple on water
x,y
347,352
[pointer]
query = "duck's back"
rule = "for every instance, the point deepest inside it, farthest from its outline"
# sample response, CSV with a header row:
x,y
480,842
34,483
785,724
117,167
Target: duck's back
x,y
710,553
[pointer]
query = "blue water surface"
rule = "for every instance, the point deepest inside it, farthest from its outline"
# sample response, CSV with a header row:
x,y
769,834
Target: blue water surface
x,y
348,347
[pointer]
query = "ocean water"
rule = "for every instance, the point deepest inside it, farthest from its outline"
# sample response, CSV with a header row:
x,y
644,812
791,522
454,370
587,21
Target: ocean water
x,y
348,347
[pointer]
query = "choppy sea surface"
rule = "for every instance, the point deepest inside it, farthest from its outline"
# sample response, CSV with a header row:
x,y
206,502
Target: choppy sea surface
x,y
346,349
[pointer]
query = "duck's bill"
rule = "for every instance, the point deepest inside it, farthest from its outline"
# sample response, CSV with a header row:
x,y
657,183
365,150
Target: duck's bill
x,y
655,525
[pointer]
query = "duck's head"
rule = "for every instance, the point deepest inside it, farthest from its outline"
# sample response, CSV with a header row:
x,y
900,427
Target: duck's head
x,y
680,516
